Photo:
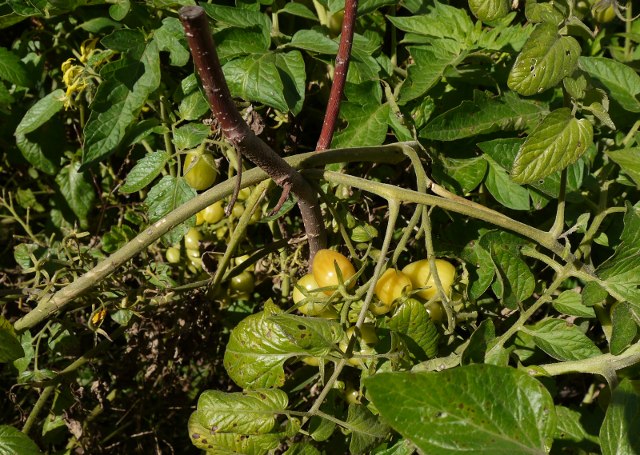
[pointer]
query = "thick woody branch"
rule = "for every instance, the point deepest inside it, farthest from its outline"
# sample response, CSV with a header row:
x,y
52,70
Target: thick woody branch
x,y
339,76
239,134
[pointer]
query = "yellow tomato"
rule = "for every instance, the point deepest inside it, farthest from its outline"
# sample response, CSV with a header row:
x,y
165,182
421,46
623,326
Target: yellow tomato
x,y
324,268
213,213
199,170
315,304
391,285
421,277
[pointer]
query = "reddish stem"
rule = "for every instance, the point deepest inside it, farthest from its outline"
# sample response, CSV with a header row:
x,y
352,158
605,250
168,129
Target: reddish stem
x,y
339,76
238,133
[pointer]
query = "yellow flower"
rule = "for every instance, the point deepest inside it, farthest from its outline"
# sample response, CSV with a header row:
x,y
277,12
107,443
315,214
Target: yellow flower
x,y
86,49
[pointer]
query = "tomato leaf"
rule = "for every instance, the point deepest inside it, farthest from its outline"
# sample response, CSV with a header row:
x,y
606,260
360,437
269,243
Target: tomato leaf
x,y
170,37
479,343
77,189
485,114
618,434
366,429
480,268
622,270
412,321
467,172
10,347
13,70
145,171
545,59
41,112
262,342
629,162
164,197
569,426
127,83
624,328
558,141
13,441
562,340
503,189
472,409
190,135
443,21
313,41
621,81
570,302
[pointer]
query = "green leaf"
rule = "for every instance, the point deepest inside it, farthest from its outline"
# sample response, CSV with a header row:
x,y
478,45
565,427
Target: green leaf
x,y
10,347
411,320
12,69
14,442
125,88
475,409
479,343
624,327
468,172
275,79
367,125
239,17
262,342
43,148
170,37
629,162
516,280
480,268
489,10
164,197
443,21
301,448
145,171
250,412
503,189
366,429
298,9
562,340
77,189
485,114
622,270
570,302
233,42
546,58
619,432
428,67
313,41
569,426
190,135
559,140
543,12
193,105
621,81
41,112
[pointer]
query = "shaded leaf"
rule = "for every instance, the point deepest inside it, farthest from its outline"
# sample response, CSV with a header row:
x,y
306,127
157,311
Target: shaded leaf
x,y
145,171
629,162
165,196
77,189
503,189
10,347
366,429
619,432
479,343
12,69
412,321
624,328
621,81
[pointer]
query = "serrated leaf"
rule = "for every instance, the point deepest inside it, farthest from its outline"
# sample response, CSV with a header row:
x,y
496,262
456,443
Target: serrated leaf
x,y
412,321
190,135
12,69
544,61
428,67
233,42
145,171
77,189
485,114
367,125
443,21
629,162
170,37
472,409
240,17
622,270
41,112
489,10
624,327
250,412
619,431
14,442
366,429
503,189
125,88
569,426
164,197
570,302
274,79
559,140
262,342
516,280
562,340
313,41
621,81
468,172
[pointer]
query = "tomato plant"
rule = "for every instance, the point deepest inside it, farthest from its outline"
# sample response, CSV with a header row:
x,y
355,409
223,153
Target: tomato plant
x,y
498,136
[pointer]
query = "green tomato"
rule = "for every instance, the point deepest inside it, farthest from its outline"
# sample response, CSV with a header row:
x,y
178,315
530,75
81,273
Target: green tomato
x,y
213,213
192,239
436,312
173,255
199,170
244,283
324,269
421,277
603,11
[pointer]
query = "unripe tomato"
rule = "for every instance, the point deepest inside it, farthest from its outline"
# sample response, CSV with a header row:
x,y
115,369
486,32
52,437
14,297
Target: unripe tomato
x,y
367,333
421,277
379,308
244,283
351,395
237,210
244,193
200,218
391,285
335,23
603,11
213,213
193,253
173,255
199,170
315,304
312,361
192,239
436,312
324,269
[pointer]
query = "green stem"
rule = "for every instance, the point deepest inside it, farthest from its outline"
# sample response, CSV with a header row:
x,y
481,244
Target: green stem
x,y
33,415
558,225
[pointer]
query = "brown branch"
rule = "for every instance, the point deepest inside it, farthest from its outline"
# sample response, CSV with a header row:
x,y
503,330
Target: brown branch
x,y
339,75
238,133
